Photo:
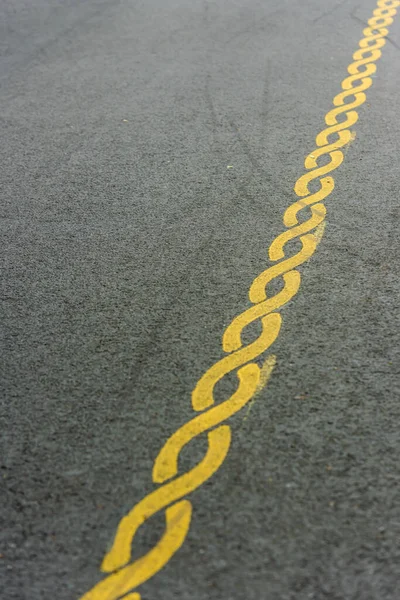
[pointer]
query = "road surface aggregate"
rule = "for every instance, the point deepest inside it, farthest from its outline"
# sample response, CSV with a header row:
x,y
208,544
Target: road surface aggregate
x,y
128,246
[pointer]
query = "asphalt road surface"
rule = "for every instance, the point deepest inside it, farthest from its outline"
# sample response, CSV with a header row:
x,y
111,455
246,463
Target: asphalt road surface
x,y
149,152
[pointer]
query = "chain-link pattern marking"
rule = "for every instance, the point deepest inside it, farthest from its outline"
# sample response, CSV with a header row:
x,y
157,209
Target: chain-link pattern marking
x,y
170,495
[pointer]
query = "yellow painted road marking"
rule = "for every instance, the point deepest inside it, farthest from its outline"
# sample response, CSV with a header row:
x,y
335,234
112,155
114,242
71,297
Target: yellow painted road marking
x,y
172,488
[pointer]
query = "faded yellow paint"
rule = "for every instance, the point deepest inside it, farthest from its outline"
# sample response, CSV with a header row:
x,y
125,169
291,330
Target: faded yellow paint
x,y
319,232
124,578
265,374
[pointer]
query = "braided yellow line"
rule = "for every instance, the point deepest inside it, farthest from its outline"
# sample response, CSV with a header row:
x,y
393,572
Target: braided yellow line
x,y
170,495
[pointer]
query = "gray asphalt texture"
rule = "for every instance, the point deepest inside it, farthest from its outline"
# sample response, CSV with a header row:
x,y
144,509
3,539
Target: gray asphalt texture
x,y
127,248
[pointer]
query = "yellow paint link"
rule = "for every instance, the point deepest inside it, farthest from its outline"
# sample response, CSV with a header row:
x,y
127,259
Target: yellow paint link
x,y
232,338
301,186
311,160
123,581
276,252
124,578
218,445
257,292
347,83
322,138
331,116
290,216
369,35
202,396
166,464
